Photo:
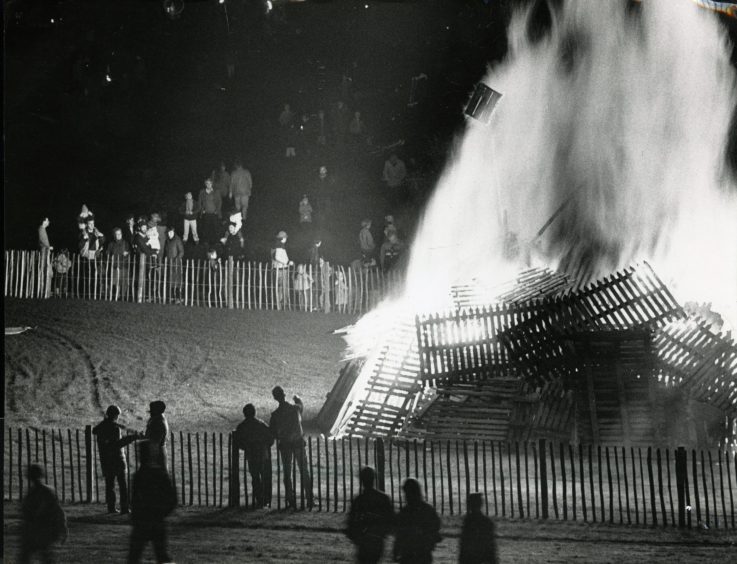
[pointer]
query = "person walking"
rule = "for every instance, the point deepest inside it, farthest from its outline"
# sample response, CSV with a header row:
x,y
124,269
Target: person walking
x,y
153,498
371,518
157,432
44,522
286,428
110,443
418,527
478,534
241,184
254,437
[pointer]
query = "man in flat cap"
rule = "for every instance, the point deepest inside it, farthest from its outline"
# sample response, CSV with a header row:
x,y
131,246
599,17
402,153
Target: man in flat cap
x,y
286,427
157,431
253,436
110,443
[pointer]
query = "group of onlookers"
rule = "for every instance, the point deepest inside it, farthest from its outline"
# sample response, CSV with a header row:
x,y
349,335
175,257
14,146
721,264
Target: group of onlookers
x,y
389,252
371,519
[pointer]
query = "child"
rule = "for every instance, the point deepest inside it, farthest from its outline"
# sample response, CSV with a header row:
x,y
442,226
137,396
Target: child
x,y
62,264
303,285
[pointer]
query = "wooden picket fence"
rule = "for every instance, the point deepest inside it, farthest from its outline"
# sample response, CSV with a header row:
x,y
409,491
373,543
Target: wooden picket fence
x,y
540,479
209,283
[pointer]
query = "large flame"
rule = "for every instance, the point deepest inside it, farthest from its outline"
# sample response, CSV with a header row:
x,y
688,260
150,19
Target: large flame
x,y
624,116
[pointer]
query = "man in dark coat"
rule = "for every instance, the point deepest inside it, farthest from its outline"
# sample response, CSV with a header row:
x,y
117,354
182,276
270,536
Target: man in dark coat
x,y
286,428
478,535
418,527
157,432
110,443
44,522
153,498
371,518
174,254
254,437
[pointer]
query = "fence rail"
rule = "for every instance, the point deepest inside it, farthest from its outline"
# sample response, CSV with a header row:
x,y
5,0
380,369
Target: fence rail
x,y
541,480
210,283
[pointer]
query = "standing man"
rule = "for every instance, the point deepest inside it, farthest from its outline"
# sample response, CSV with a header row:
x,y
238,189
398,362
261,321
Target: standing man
x,y
371,518
45,248
240,188
210,204
153,498
157,432
254,438
44,521
418,527
119,251
478,535
286,428
174,254
110,443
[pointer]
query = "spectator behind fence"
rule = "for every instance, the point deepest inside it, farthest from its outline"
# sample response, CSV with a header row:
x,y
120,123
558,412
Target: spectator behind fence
x,y
221,181
44,522
129,231
254,437
305,210
366,241
241,185
341,290
157,433
62,264
418,527
210,205
478,535
174,255
303,287
143,245
154,242
152,499
390,252
110,444
395,173
119,252
371,518
286,428
190,210
160,229
90,240
232,242
43,240
84,214
280,263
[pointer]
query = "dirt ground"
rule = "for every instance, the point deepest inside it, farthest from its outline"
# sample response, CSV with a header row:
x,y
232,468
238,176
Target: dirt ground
x,y
205,364
229,536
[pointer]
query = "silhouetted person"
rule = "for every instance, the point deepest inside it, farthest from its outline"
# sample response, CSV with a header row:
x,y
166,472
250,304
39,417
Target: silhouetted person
x,y
44,522
478,535
253,436
157,431
418,527
152,499
286,427
110,443
371,518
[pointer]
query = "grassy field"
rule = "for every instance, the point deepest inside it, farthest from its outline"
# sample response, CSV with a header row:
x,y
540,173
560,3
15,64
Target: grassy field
x,y
205,364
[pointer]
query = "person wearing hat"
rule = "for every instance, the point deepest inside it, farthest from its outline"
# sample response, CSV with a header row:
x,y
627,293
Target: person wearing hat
x,y
418,527
44,521
174,255
253,436
478,534
371,518
157,432
286,427
281,263
110,443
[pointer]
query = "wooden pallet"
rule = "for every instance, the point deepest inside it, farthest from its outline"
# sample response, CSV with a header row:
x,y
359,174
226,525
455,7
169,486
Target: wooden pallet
x,y
698,361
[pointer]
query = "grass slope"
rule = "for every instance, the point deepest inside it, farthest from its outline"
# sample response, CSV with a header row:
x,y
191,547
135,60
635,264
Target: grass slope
x,y
204,363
